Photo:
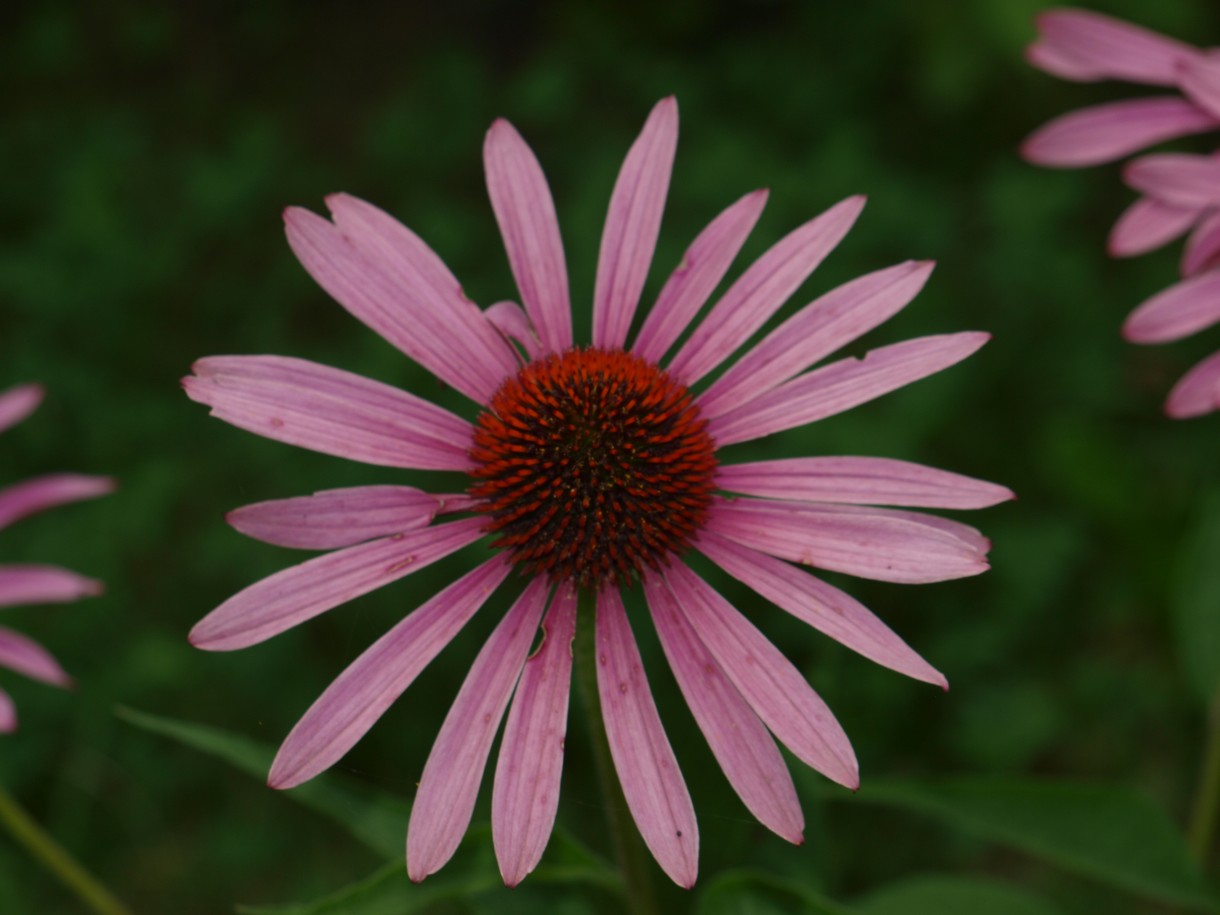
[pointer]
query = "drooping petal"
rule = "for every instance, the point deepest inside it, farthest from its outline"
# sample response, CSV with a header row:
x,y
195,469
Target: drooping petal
x,y
761,290
25,656
38,584
1177,312
860,481
701,269
738,739
820,328
866,543
510,319
820,605
450,783
768,681
1147,225
301,592
398,296
8,713
328,410
1197,392
1200,80
374,681
19,402
525,796
1202,250
525,212
1178,179
40,493
1086,46
1103,133
632,225
647,768
842,385
336,518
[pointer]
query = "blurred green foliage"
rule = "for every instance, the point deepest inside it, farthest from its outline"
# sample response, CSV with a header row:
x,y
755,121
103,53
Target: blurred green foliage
x,y
147,151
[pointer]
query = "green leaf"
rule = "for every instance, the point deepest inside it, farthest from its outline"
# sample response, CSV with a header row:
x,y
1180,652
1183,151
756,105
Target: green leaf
x,y
947,895
751,892
1196,601
1113,834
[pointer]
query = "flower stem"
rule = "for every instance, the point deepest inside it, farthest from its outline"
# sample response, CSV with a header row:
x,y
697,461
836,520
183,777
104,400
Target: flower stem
x,y
56,859
1207,799
628,846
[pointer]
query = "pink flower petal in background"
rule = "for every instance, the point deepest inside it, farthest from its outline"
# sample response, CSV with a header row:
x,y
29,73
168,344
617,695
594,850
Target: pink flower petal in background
x,y
1107,132
1199,77
39,584
1177,312
1197,392
1147,225
1086,46
525,795
8,713
1177,179
632,225
41,493
647,769
18,403
1202,251
27,657
336,518
450,783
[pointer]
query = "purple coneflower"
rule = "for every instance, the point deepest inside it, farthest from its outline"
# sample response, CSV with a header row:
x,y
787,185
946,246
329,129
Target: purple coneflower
x,y
1180,192
594,468
37,584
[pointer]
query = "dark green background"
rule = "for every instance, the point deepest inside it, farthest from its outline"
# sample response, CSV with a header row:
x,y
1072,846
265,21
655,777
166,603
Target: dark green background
x,y
146,152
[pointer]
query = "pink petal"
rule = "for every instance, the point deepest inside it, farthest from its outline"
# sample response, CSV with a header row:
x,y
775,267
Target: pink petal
x,y
632,224
38,584
821,606
1177,179
336,518
398,294
331,411
8,714
1107,132
450,783
842,385
647,769
761,290
40,493
1203,247
25,656
820,328
525,796
374,681
1197,392
510,320
873,545
701,269
1100,47
1200,80
19,402
301,592
739,741
767,680
860,480
1147,225
1177,312
525,212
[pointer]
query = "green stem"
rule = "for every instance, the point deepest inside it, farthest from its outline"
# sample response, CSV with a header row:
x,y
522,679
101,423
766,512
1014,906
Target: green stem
x,y
1207,800
628,846
56,859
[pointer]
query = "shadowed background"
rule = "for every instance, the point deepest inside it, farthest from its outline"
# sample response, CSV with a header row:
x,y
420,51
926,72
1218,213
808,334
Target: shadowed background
x,y
147,153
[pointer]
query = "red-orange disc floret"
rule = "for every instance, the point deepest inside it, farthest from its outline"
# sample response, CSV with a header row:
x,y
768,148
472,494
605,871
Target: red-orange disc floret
x,y
593,464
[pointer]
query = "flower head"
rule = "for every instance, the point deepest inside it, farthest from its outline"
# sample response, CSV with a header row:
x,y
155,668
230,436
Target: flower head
x,y
36,584
594,468
1181,193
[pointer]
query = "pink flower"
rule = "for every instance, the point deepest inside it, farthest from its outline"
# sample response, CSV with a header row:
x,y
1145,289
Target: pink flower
x,y
36,584
1181,193
598,469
